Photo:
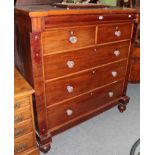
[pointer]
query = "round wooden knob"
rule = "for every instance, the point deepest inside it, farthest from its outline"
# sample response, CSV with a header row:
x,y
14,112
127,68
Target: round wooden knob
x,y
70,89
69,112
116,52
100,17
114,73
117,33
73,39
70,64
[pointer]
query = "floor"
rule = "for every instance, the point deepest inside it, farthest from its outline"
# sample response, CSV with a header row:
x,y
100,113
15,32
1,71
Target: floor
x,y
110,133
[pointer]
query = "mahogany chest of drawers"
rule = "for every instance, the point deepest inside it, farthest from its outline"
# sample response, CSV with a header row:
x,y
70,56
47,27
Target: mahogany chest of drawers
x,y
77,61
24,130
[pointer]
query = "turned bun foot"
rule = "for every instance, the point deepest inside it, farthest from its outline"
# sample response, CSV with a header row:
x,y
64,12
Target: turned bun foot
x,y
122,103
121,108
45,148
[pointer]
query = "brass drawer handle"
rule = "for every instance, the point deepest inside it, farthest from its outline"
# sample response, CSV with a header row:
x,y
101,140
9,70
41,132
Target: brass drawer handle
x,y
73,39
117,33
116,52
70,64
111,94
21,147
19,131
18,118
70,89
17,105
69,112
114,73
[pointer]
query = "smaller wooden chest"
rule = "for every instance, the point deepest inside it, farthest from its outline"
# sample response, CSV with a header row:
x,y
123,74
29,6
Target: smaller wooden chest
x,y
24,130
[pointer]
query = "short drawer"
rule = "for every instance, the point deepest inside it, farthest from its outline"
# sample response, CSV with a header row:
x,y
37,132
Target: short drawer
x,y
22,115
21,103
23,143
67,38
23,128
56,65
59,114
65,88
114,32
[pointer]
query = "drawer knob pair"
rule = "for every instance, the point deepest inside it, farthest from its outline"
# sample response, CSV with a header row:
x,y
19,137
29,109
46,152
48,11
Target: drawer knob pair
x,y
114,73
73,39
70,89
111,94
70,64
116,52
117,33
69,112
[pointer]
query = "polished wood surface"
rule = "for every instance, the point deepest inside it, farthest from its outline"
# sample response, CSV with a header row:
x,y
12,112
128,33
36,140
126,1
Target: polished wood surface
x,y
58,90
135,65
72,59
24,129
56,65
60,38
59,115
108,32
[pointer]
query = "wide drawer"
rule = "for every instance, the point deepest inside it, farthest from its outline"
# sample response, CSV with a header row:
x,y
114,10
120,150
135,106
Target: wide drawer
x,y
21,103
22,115
68,38
114,32
23,128
56,65
62,113
23,143
65,20
65,88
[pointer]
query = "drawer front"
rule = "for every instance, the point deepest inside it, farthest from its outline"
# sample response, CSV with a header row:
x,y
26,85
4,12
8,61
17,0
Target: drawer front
x,y
59,21
23,128
67,38
62,113
68,87
114,32
56,65
23,143
31,151
22,115
21,103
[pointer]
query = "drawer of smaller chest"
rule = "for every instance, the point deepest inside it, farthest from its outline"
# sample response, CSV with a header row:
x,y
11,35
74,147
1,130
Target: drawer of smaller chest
x,y
67,38
56,65
23,128
68,87
23,143
114,32
62,113
21,103
22,115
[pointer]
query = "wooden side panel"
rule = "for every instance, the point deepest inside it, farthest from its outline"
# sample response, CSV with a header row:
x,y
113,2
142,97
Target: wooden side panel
x,y
22,46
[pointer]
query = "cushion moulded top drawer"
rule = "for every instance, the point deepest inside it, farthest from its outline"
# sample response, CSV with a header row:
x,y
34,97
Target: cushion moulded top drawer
x,y
114,32
68,38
